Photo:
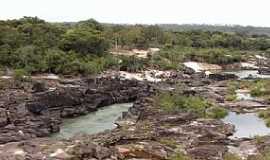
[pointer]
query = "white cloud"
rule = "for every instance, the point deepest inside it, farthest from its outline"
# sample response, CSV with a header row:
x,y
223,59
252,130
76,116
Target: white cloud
x,y
244,12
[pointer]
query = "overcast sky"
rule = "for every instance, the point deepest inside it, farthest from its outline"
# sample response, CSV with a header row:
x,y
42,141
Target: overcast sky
x,y
243,12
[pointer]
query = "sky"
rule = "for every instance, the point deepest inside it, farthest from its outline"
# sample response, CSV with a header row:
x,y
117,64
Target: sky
x,y
242,12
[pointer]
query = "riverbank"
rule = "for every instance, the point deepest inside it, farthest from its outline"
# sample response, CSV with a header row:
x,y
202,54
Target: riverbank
x,y
146,131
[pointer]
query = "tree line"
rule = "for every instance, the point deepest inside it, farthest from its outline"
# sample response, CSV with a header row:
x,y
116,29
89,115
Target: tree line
x,y
37,46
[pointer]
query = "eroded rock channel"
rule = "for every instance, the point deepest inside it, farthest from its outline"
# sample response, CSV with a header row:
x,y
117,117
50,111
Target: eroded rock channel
x,y
92,123
144,130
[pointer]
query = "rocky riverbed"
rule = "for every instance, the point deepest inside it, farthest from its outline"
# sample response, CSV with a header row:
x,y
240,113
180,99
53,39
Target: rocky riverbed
x,y
29,115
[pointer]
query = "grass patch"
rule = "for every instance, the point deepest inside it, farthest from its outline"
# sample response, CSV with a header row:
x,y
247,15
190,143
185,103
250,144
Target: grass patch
x,y
20,75
230,97
259,139
231,88
180,156
230,156
260,88
265,115
169,142
216,112
175,102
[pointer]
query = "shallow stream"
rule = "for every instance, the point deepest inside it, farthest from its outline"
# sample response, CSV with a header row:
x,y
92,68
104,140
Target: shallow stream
x,y
93,123
247,125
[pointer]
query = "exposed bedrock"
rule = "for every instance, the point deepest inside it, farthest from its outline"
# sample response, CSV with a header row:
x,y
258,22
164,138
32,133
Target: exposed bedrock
x,y
25,115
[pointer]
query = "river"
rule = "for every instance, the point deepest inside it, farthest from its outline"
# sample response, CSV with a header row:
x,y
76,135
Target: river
x,y
95,122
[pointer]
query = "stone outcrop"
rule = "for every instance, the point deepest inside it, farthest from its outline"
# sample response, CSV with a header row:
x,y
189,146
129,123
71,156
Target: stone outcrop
x,y
144,132
222,76
25,114
153,134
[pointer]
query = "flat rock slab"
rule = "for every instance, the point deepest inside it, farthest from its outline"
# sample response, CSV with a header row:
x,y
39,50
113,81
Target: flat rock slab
x,y
246,104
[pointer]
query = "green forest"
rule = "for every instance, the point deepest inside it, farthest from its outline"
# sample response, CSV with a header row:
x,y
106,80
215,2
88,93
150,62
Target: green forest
x,y
36,46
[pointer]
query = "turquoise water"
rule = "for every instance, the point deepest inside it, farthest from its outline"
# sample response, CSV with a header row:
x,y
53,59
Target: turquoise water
x,y
247,125
92,123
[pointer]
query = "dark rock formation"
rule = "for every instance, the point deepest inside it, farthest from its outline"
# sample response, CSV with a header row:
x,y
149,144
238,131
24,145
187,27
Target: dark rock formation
x,y
222,76
264,71
25,115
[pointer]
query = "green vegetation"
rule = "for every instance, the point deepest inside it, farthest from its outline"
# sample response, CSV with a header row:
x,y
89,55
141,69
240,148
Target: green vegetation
x,y
230,97
174,102
132,64
231,88
34,45
20,75
216,112
260,88
230,156
259,139
37,46
249,30
180,156
266,116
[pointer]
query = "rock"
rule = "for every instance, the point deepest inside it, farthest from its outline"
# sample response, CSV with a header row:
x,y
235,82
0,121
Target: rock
x,y
222,76
60,154
145,150
3,117
264,71
39,86
244,150
208,152
39,113
245,105
36,108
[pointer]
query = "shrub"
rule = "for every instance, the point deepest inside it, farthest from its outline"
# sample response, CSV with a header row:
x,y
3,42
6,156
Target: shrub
x,y
216,112
173,102
266,116
196,104
132,64
260,88
20,75
259,139
167,102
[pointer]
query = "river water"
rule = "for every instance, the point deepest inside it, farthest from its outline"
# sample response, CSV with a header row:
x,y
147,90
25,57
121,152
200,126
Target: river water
x,y
247,125
242,74
93,123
